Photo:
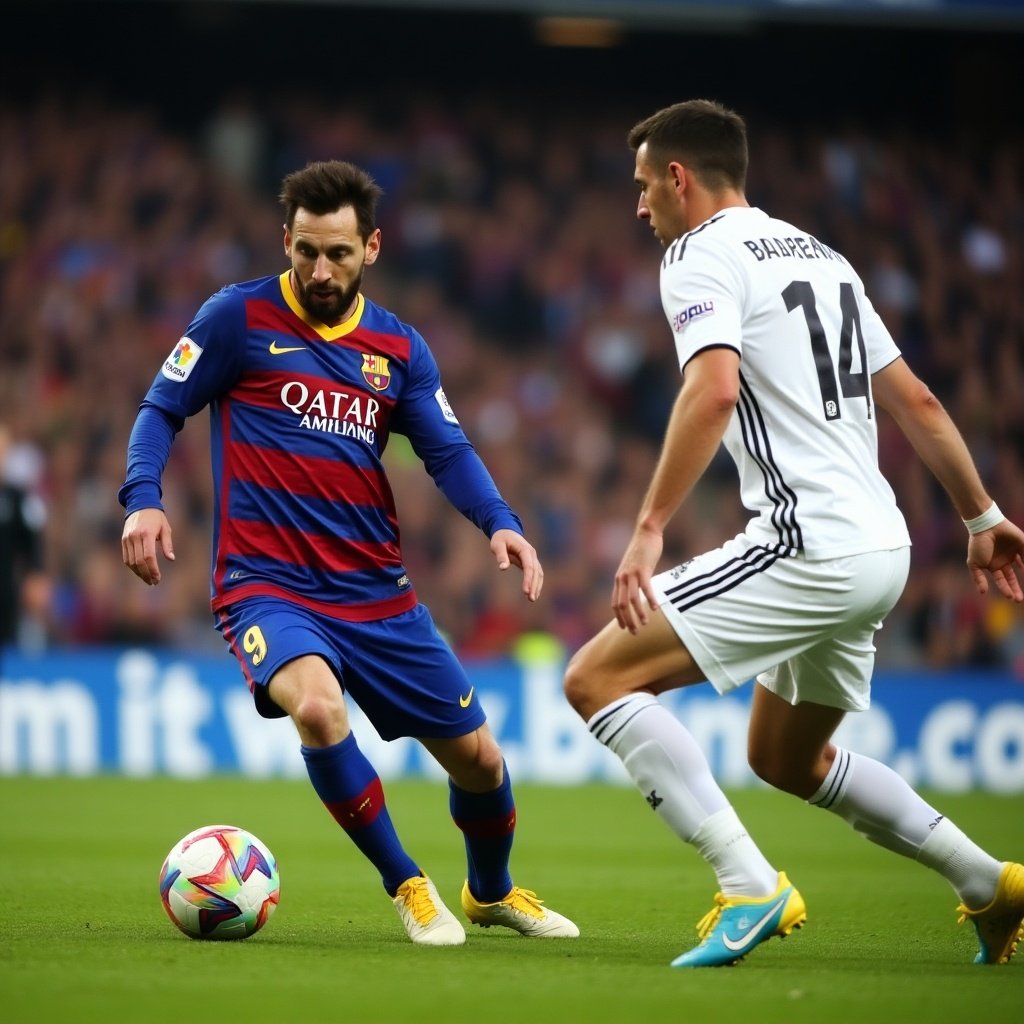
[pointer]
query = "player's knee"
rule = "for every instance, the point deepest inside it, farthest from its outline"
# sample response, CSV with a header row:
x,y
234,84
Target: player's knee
x,y
321,718
490,762
762,764
576,684
588,684
474,762
773,766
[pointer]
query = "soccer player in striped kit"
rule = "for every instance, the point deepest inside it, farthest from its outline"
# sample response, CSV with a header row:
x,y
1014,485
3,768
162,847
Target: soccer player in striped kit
x,y
306,379
783,361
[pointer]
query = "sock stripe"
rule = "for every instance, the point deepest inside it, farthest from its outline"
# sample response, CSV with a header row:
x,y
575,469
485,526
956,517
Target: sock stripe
x,y
838,774
598,726
488,828
361,810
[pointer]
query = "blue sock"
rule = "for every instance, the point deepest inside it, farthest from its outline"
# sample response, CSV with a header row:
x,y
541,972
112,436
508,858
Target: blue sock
x,y
350,789
488,824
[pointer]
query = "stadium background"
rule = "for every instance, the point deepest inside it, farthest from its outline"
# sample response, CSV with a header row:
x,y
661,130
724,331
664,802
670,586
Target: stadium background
x,y
141,145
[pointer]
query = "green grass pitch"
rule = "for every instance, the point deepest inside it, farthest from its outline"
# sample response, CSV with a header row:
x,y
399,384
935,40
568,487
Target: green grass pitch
x,y
83,936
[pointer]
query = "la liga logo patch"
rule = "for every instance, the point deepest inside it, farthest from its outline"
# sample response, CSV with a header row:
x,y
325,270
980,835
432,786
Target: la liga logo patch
x,y
178,365
691,313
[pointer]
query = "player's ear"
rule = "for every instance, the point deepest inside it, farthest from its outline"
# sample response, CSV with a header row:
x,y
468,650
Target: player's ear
x,y
287,241
372,248
678,175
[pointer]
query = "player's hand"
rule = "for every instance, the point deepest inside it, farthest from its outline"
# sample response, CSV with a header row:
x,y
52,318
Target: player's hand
x,y
1000,553
143,531
511,548
633,580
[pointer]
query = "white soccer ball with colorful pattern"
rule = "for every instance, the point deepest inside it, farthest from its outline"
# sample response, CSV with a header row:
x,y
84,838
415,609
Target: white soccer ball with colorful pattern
x,y
220,882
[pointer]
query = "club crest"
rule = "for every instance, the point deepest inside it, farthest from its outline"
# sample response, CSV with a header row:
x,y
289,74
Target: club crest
x,y
376,371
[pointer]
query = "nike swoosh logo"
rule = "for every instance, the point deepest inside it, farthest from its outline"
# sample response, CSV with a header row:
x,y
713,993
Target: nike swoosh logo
x,y
464,701
276,350
737,945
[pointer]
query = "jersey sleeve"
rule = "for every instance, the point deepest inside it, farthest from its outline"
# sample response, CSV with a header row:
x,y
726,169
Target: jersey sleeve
x,y
206,360
149,448
703,293
427,419
202,365
879,344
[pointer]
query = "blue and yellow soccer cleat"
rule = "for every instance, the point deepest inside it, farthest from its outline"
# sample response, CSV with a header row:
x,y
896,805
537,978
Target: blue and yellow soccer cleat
x,y
736,924
1000,925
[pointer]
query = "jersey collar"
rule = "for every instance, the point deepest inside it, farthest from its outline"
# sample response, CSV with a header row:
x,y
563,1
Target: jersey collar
x,y
325,332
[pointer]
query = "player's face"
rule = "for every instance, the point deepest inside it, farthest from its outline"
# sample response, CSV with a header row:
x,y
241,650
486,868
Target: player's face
x,y
328,258
661,200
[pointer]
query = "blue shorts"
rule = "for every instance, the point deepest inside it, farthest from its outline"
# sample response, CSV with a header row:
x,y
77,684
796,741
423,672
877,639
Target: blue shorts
x,y
399,670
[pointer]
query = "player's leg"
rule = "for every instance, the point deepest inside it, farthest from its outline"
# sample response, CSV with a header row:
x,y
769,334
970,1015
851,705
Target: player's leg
x,y
408,682
483,807
793,718
790,749
346,782
612,683
287,659
351,790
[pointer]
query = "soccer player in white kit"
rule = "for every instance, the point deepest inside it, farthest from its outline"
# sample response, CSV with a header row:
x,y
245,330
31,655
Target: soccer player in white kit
x,y
783,361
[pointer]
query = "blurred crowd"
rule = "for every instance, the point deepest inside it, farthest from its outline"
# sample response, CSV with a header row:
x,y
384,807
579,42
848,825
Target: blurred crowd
x,y
510,242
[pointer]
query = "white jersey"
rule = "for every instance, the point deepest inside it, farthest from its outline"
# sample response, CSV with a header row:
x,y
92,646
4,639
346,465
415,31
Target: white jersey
x,y
803,434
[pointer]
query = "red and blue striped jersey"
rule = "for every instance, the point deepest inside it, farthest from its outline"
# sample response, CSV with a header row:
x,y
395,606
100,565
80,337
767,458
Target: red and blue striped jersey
x,y
300,416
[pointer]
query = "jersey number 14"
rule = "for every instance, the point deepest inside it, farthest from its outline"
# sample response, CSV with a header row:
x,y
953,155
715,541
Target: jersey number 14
x,y
853,385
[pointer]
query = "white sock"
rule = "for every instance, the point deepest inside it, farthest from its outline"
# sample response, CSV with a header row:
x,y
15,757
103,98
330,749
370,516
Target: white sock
x,y
882,806
969,869
670,769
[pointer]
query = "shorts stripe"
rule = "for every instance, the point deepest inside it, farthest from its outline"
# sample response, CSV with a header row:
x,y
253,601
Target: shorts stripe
x,y
723,577
781,495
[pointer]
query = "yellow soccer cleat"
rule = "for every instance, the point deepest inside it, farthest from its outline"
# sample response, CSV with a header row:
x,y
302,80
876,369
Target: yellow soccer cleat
x,y
1000,925
428,922
736,924
521,911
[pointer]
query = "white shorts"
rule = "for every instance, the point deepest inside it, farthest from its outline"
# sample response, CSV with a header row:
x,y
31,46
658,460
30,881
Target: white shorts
x,y
805,630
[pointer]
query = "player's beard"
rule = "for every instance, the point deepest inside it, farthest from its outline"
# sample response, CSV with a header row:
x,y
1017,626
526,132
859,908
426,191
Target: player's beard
x,y
329,307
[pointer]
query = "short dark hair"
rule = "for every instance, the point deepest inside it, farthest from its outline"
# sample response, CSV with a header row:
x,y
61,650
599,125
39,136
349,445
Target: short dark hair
x,y
701,134
324,186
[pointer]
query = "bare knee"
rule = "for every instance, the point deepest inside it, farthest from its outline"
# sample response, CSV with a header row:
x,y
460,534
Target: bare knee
x,y
474,762
485,769
320,718
583,685
765,765
574,684
778,768
592,680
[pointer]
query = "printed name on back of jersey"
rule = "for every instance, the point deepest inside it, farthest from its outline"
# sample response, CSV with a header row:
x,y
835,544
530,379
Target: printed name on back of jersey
x,y
178,365
685,316
801,247
446,409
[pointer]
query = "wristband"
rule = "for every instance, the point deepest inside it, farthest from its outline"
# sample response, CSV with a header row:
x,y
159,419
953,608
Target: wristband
x,y
989,518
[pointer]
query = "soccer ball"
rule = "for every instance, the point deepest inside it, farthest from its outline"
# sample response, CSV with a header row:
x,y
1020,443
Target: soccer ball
x,y
219,882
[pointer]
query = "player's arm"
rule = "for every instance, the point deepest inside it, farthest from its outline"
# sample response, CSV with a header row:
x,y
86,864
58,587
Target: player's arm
x,y
998,549
462,477
217,339
146,527
695,429
434,432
